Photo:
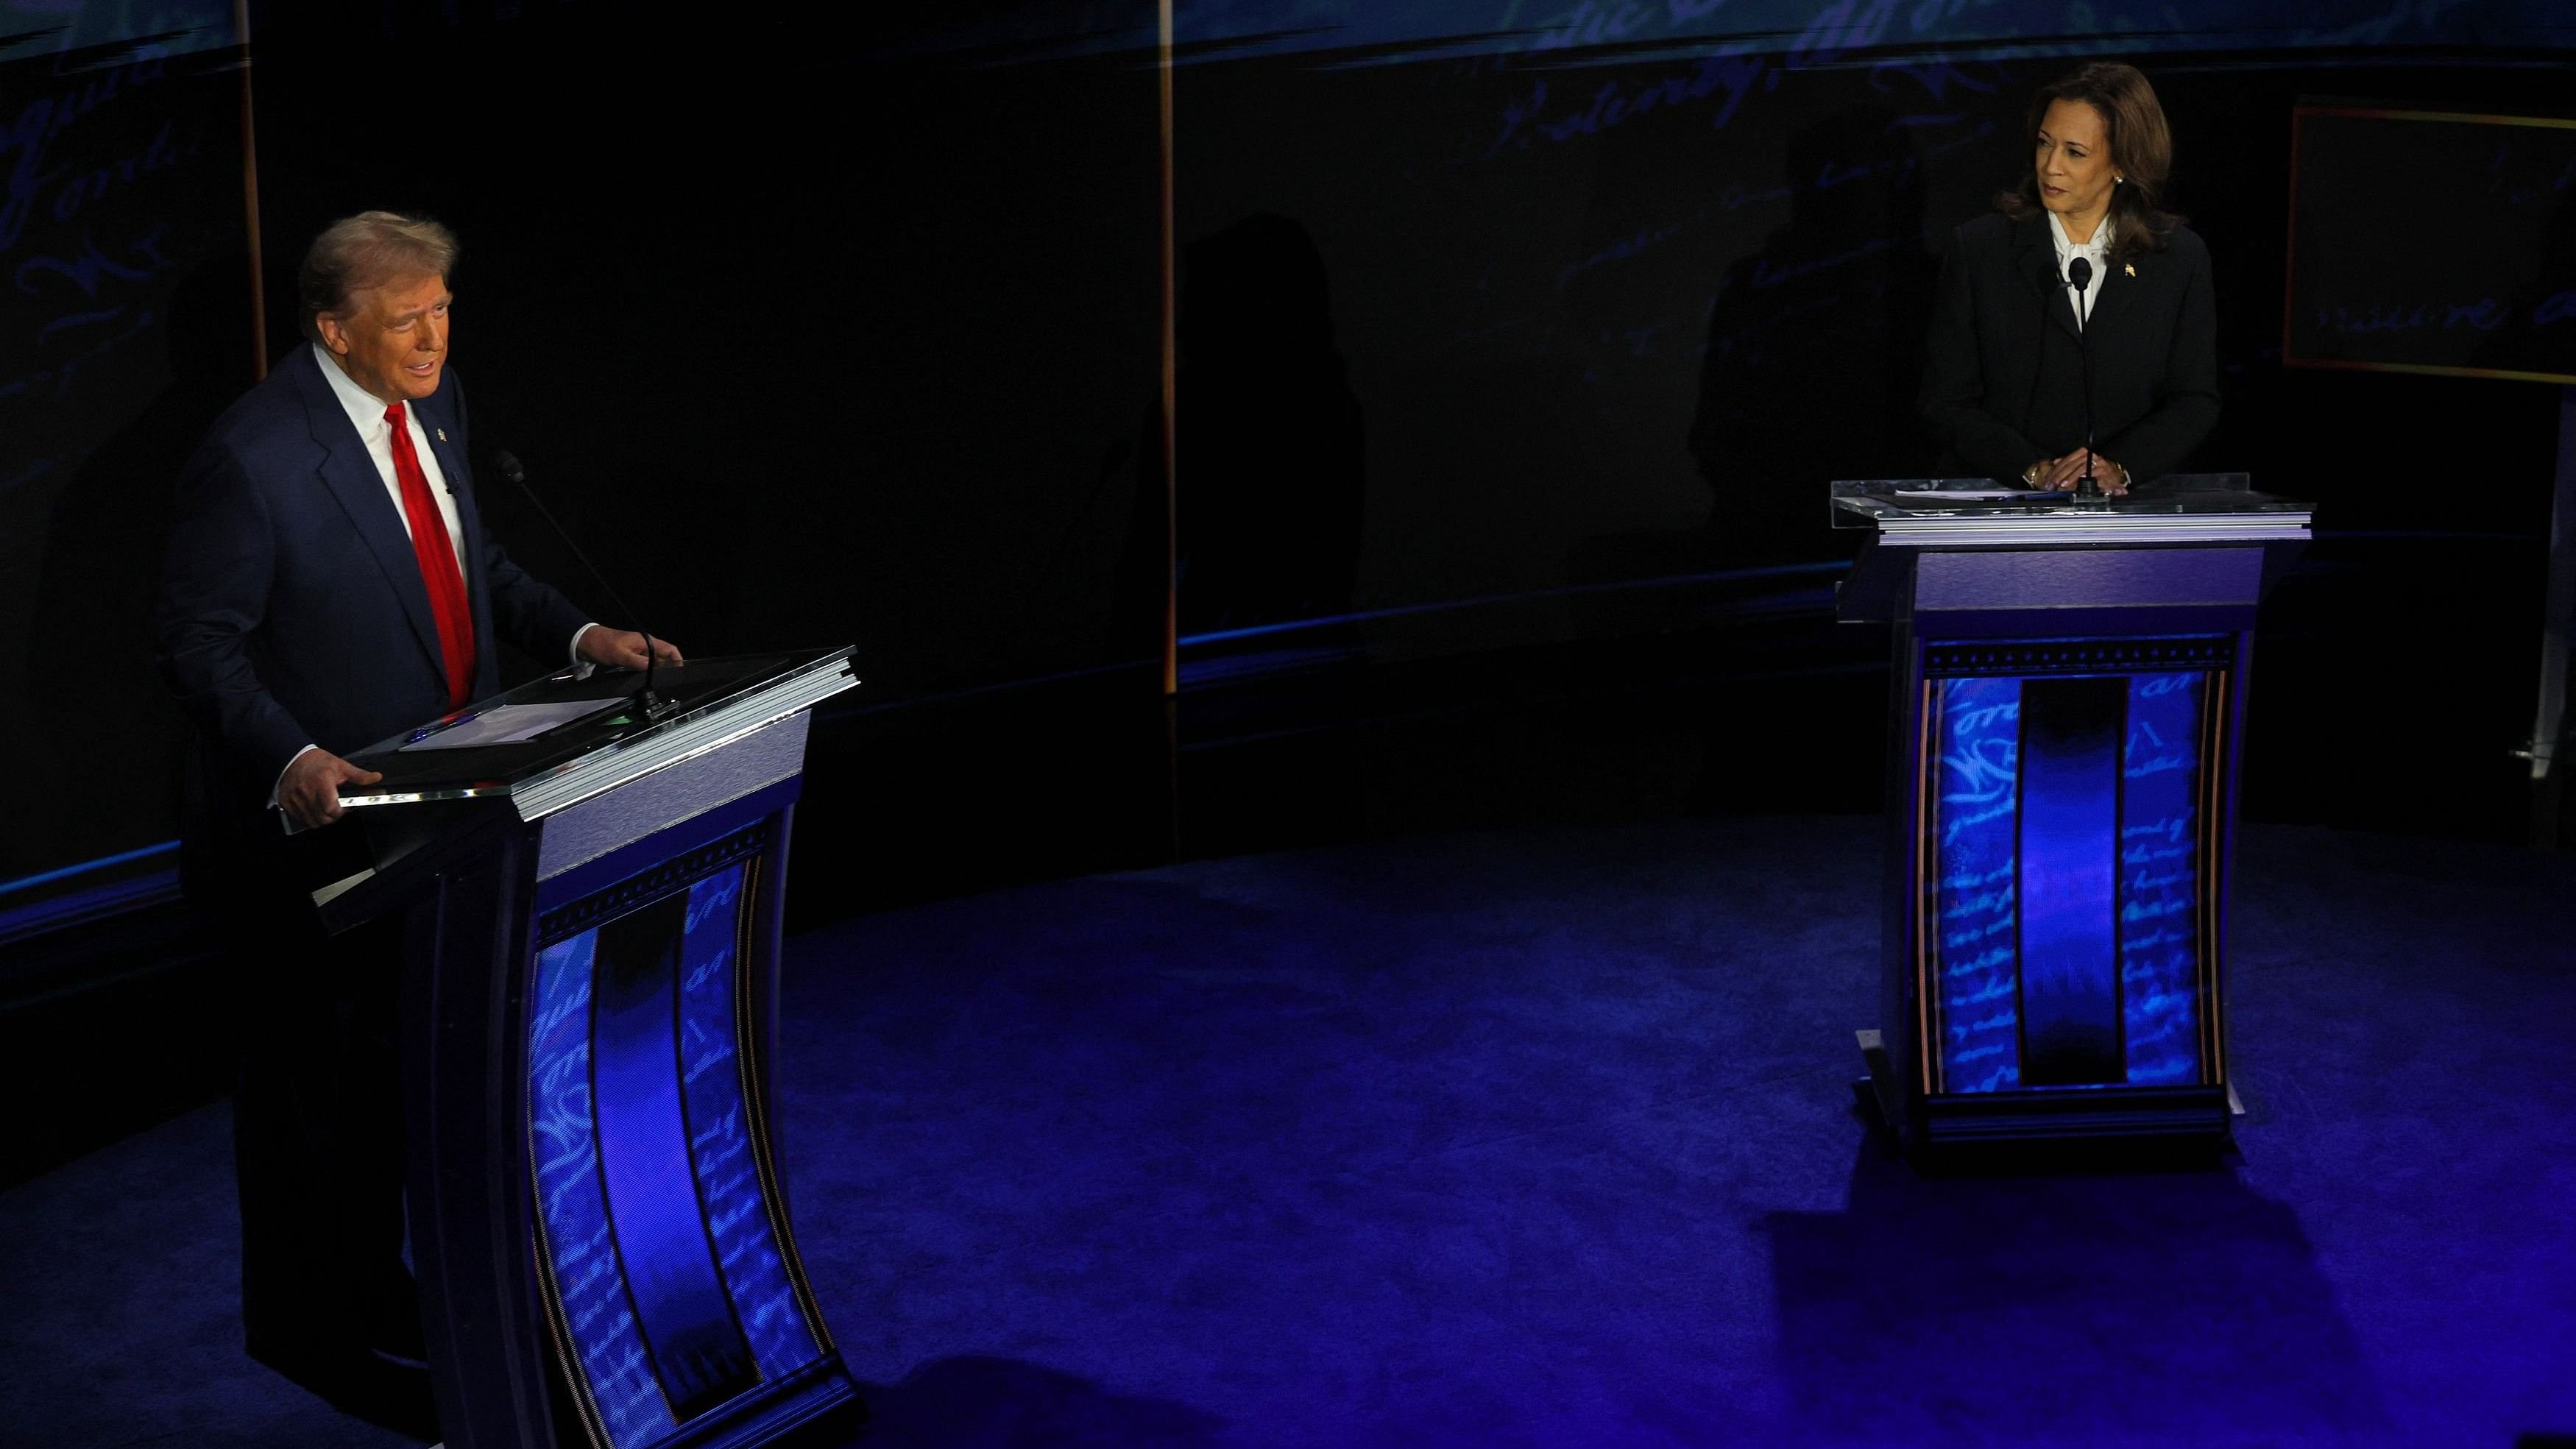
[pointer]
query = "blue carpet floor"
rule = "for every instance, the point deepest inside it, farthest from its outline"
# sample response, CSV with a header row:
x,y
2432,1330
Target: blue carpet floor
x,y
1545,1138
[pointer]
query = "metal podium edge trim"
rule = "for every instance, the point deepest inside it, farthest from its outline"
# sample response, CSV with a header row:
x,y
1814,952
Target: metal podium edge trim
x,y
559,852
583,778
716,731
2109,528
325,895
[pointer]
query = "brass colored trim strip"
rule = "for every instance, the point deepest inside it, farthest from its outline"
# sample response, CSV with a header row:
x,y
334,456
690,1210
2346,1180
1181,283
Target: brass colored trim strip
x,y
1925,896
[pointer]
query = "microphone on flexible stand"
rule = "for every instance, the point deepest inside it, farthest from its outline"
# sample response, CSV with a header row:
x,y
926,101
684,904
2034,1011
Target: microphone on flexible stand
x,y
648,700
2079,276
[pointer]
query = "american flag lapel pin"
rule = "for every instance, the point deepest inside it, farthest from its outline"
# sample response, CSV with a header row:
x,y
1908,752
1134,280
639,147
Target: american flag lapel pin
x,y
442,432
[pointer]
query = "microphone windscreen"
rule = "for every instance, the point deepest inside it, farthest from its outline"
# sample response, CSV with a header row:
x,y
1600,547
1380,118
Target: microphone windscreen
x,y
508,463
2078,271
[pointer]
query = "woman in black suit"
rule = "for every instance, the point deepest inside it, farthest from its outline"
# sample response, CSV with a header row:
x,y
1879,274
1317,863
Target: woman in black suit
x,y
2004,384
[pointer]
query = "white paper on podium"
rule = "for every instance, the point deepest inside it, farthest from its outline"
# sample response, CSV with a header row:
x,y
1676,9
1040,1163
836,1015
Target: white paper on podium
x,y
508,724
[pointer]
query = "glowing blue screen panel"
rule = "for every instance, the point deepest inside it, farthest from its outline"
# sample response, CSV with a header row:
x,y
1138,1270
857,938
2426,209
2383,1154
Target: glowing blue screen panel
x,y
686,1318
2069,853
1978,907
572,1206
2160,849
2065,880
673,1292
729,1170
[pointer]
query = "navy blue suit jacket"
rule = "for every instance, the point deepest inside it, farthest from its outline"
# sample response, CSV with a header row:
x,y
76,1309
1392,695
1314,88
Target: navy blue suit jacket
x,y
292,610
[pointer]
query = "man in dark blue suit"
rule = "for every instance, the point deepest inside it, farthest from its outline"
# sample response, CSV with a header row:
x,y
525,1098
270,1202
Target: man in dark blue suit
x,y
329,584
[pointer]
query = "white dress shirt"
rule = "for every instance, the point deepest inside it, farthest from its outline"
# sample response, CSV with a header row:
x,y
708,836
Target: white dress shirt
x,y
367,414
2098,251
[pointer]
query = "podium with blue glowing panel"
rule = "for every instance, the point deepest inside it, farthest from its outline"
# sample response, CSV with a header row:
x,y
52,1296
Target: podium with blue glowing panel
x,y
591,897
2069,693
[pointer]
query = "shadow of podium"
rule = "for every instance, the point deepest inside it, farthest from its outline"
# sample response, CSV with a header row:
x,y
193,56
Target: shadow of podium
x,y
2096,1307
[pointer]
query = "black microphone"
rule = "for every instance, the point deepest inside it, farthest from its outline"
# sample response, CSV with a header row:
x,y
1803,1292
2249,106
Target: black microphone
x,y
647,699
2079,276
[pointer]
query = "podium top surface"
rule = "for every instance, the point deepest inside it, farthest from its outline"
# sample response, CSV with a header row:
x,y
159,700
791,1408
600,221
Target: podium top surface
x,y
2181,508
714,701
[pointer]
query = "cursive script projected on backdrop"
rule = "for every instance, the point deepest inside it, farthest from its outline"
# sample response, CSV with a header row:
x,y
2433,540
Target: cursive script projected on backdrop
x,y
1362,32
116,177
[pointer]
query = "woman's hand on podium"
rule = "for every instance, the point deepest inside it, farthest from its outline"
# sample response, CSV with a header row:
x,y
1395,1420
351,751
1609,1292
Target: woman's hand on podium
x,y
2063,473
622,648
309,792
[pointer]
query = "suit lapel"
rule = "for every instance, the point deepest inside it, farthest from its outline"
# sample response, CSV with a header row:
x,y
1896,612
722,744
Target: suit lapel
x,y
2036,254
434,421
352,479
2119,289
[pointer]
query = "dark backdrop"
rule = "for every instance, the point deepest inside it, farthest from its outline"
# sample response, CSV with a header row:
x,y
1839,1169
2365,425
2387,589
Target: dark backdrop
x,y
837,330
125,326
1634,315
807,345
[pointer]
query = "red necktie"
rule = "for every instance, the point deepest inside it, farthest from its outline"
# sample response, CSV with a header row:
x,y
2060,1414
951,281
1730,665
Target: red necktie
x,y
438,570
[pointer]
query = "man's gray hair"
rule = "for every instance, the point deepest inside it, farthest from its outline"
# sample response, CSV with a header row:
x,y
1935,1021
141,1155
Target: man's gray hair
x,y
368,250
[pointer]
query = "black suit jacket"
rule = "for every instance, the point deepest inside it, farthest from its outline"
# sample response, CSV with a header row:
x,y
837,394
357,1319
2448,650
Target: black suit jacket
x,y
292,610
2003,381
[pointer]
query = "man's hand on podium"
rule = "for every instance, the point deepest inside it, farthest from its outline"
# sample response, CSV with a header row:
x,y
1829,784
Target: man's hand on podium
x,y
622,648
309,792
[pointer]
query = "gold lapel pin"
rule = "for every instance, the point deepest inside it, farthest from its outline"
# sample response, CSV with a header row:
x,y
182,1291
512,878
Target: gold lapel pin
x,y
442,432
2129,267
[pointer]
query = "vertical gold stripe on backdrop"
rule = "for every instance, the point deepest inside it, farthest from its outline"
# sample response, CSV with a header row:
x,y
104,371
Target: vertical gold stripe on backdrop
x,y
1171,375
1923,895
250,200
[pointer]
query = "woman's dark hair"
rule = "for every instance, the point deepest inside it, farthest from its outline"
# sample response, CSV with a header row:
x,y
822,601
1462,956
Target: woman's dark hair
x,y
2141,152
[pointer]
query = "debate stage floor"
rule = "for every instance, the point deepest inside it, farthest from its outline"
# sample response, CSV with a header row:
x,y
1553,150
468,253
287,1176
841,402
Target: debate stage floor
x,y
1543,1136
